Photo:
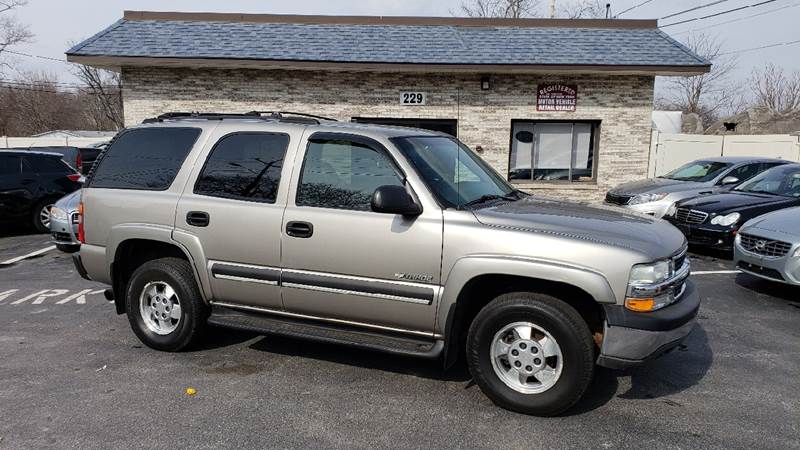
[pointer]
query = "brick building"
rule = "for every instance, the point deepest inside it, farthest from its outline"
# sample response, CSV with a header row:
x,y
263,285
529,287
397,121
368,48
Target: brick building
x,y
560,107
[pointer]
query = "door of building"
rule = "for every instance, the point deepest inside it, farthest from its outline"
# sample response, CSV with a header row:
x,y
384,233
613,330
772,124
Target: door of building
x,y
449,126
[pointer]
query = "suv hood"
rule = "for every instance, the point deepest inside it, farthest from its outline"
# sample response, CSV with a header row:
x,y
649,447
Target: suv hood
x,y
653,237
656,185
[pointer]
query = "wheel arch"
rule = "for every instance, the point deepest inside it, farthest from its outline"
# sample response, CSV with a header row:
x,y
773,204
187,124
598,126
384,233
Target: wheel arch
x,y
470,286
128,254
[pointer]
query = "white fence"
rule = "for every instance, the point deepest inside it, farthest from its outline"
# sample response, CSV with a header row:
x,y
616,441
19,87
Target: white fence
x,y
11,142
669,151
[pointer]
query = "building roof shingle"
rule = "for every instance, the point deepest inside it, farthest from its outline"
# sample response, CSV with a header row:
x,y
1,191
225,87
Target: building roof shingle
x,y
364,40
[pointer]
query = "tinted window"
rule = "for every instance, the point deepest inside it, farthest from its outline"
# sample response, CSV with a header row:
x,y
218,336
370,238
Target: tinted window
x,y
45,164
784,180
146,158
697,171
9,165
746,171
245,166
343,174
456,175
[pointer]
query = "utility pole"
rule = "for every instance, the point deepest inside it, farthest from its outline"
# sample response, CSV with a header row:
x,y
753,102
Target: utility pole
x,y
552,9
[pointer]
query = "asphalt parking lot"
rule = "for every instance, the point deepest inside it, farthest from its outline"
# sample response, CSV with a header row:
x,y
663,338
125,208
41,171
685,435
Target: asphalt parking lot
x,y
73,375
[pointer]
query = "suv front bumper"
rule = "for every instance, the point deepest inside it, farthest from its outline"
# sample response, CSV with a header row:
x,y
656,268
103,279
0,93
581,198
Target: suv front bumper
x,y
632,338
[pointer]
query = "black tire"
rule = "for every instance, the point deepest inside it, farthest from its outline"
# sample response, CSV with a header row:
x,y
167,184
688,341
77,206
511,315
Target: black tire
x,y
36,213
194,312
559,319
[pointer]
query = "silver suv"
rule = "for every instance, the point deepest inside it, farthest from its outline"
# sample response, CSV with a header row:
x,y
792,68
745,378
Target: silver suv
x,y
386,238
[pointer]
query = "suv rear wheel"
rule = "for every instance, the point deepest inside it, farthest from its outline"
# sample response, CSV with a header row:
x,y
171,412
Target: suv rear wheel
x,y
530,353
164,305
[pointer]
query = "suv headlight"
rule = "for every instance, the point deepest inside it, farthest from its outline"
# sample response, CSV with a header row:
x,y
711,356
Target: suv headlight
x,y
647,198
726,220
653,273
58,213
643,292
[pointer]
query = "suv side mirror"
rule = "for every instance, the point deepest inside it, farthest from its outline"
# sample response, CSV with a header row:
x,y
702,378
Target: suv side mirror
x,y
393,199
729,180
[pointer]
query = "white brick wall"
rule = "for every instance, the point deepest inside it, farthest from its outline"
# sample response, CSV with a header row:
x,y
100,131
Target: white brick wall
x,y
623,104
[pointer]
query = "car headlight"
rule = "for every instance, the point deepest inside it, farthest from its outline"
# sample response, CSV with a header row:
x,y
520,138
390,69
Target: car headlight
x,y
647,198
796,253
58,213
652,273
726,220
671,210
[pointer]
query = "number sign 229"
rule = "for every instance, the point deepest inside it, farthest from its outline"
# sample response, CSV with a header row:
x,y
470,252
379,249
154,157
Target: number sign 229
x,y
412,98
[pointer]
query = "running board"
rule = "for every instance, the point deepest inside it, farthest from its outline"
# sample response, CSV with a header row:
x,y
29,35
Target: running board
x,y
325,332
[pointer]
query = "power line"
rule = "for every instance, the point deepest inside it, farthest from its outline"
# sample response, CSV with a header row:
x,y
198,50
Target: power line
x,y
739,19
33,83
34,90
39,57
634,7
717,2
718,14
779,44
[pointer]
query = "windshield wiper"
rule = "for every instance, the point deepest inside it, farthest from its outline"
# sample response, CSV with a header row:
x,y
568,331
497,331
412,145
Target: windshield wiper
x,y
513,195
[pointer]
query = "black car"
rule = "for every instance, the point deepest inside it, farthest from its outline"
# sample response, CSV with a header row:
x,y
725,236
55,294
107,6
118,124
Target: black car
x,y
713,220
30,183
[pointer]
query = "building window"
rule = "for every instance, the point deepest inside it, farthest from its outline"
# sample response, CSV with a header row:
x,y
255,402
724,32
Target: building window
x,y
552,151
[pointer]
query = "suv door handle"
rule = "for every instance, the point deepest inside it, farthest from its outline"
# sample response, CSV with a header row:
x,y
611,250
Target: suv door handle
x,y
197,218
299,229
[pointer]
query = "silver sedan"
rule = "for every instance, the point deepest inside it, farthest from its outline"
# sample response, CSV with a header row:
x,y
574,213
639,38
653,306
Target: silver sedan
x,y
769,246
64,222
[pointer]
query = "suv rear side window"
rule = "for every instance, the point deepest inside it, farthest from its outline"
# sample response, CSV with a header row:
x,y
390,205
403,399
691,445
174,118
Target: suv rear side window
x,y
145,158
343,174
45,164
244,166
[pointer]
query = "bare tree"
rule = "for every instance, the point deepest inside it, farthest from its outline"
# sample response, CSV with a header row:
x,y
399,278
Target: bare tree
x,y
40,105
513,9
12,32
776,90
709,95
584,9
104,90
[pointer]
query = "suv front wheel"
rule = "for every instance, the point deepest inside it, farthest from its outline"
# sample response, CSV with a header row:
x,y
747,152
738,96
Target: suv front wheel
x,y
530,353
164,305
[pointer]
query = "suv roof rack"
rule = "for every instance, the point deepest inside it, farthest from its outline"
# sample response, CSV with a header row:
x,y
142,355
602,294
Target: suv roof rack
x,y
281,116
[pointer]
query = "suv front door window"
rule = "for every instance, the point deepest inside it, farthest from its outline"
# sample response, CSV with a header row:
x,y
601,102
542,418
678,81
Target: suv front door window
x,y
353,263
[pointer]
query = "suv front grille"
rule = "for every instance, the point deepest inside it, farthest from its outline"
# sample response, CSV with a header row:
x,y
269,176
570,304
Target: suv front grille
x,y
618,199
693,216
763,246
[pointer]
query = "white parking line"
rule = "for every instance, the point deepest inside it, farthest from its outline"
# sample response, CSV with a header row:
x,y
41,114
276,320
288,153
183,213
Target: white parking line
x,y
29,255
714,272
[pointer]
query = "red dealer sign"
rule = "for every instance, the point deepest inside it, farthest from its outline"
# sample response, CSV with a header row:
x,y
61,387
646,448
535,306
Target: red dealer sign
x,y
556,97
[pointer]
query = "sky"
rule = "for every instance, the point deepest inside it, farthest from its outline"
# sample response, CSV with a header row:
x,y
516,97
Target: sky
x,y
57,23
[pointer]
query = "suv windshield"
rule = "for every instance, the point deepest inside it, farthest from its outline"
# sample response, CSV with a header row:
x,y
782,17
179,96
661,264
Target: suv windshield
x,y
697,171
456,176
782,180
